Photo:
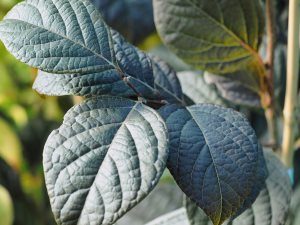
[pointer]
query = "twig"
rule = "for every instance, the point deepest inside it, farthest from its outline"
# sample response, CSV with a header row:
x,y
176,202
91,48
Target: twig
x,y
153,103
270,111
292,82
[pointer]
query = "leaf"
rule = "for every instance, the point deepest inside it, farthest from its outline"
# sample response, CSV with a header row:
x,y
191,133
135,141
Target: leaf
x,y
240,87
177,217
6,207
270,207
72,38
132,18
213,157
260,179
10,146
197,89
217,36
165,54
59,36
294,215
166,81
163,199
107,156
150,76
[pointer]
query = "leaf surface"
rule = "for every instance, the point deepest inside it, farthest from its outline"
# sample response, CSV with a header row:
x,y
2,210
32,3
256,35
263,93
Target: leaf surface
x,y
213,157
270,207
107,156
59,36
189,28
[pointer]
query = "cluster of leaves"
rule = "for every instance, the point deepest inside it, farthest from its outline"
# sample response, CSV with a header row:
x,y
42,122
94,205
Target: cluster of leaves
x,y
112,149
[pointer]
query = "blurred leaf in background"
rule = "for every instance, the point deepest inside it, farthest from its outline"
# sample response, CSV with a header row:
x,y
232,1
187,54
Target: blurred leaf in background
x,y
6,207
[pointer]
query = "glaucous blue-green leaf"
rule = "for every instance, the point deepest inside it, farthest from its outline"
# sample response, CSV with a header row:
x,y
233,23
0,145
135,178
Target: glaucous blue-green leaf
x,y
70,37
241,87
107,156
177,217
166,83
196,88
132,18
270,207
217,36
135,66
260,178
213,157
59,36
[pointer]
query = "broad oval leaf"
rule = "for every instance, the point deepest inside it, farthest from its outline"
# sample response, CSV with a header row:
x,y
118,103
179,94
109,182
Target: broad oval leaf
x,y
132,18
270,207
59,36
196,88
135,65
107,156
217,36
213,157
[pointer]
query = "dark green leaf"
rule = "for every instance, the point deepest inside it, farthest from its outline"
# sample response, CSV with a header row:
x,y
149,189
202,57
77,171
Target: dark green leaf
x,y
213,157
270,207
132,18
107,156
217,36
196,88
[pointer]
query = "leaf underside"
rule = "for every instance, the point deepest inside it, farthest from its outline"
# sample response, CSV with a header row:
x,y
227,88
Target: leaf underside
x,y
213,157
239,87
108,154
196,88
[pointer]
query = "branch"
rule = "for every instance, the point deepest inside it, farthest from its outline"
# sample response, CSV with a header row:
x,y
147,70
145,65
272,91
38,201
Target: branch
x,y
270,111
292,82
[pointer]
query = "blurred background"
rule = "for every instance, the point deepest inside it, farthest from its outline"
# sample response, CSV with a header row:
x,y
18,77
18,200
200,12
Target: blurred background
x,y
27,118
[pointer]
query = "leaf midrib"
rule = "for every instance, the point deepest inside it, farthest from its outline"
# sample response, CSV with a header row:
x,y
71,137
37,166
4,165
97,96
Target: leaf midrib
x,y
214,164
66,38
